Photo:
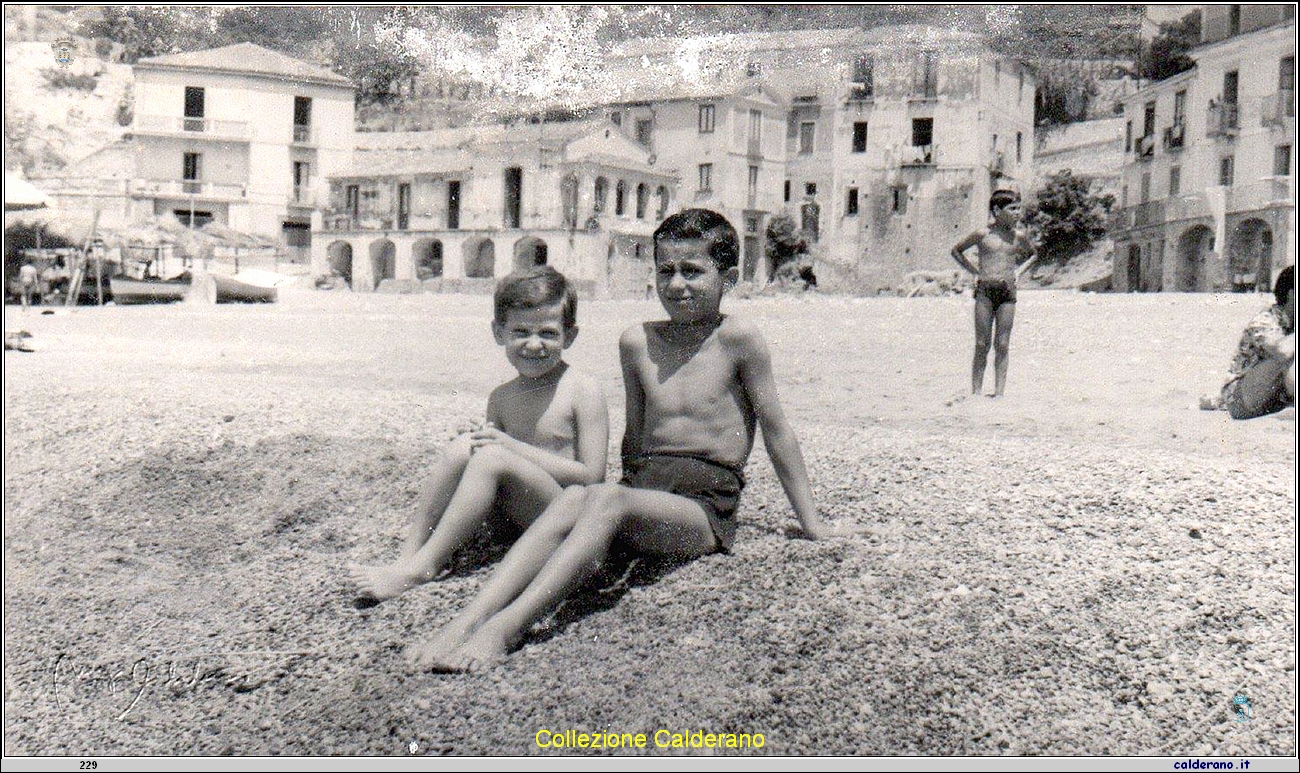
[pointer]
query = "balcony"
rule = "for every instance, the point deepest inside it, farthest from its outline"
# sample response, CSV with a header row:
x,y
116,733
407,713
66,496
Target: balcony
x,y
1144,214
197,189
1267,193
1222,120
919,155
303,135
924,92
861,92
1278,110
170,126
1145,147
302,196
1174,136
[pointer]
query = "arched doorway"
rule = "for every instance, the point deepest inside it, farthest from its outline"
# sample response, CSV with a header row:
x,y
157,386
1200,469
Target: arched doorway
x,y
1192,248
1250,256
339,256
529,251
479,259
383,260
428,258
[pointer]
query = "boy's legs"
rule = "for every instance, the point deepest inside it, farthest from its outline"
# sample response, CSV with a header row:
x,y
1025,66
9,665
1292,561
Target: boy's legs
x,y
436,492
1266,388
983,338
652,522
1006,317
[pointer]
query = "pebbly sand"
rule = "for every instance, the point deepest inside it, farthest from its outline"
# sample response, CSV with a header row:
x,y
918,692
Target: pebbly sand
x,y
1089,566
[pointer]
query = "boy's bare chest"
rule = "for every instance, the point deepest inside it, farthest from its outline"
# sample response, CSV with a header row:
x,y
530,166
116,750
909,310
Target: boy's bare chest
x,y
540,419
676,379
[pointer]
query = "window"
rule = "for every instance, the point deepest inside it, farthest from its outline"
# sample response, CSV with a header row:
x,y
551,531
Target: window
x,y
859,136
1286,83
599,195
403,200
192,173
194,109
922,132
1149,119
925,76
1175,180
807,130
302,179
755,126
191,218
851,203
1146,187
706,177
810,189
620,197
1234,19
1225,170
1230,80
1128,136
301,119
753,182
662,211
644,131
864,86
352,194
1180,107
1282,160
616,119
707,117
1020,141
899,196
1020,94
787,190
642,200
514,196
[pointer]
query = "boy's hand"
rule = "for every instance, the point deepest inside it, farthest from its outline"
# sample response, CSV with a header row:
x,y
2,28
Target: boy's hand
x,y
490,435
821,530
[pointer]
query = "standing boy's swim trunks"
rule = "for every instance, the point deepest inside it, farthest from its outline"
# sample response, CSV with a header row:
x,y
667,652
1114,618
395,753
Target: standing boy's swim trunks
x,y
998,291
714,485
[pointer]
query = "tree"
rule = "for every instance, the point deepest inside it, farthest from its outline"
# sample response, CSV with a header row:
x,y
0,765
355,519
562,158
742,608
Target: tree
x,y
1166,55
147,31
785,241
1068,216
1064,94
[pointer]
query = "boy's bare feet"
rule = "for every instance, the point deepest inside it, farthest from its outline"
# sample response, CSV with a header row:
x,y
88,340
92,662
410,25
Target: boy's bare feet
x,y
434,652
380,583
484,649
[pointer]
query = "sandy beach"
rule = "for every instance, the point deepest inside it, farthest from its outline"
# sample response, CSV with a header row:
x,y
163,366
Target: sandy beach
x,y
1090,565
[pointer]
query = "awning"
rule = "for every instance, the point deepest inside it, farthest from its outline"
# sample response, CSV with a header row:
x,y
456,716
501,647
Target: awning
x,y
20,194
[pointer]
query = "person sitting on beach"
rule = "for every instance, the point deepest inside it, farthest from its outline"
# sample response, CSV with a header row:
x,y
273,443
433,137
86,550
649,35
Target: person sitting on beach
x,y
1262,377
697,385
546,429
1001,244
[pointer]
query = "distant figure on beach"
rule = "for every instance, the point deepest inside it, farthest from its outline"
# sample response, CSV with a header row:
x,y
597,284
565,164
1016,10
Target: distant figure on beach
x,y
697,386
1005,253
27,281
546,429
1261,379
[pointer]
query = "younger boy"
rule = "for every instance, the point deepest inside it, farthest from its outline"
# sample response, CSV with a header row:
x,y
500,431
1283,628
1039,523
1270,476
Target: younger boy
x,y
1262,377
697,385
546,429
1000,246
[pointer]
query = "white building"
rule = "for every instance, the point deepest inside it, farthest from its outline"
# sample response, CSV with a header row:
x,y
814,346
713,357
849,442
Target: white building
x,y
1207,194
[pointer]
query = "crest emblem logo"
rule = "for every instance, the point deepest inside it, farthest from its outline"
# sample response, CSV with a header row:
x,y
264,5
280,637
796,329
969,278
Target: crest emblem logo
x,y
1241,704
63,49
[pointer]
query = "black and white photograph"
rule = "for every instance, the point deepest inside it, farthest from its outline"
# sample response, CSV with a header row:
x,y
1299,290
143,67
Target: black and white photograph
x,y
761,380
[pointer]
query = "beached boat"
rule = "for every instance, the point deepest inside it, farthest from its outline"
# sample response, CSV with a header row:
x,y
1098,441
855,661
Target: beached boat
x,y
224,288
127,289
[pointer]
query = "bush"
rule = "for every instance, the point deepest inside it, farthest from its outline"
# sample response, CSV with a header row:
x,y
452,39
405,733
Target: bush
x,y
64,79
785,241
1068,217
1166,55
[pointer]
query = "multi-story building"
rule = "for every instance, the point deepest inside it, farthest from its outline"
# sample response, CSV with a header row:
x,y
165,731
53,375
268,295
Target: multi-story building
x,y
454,208
893,138
240,135
1207,197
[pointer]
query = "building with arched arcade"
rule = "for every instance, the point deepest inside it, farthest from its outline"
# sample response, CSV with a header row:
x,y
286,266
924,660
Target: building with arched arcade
x,y
1208,198
456,208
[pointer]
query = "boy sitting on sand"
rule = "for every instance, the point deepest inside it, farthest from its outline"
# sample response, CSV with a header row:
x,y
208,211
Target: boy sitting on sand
x,y
696,384
1262,377
1000,246
546,429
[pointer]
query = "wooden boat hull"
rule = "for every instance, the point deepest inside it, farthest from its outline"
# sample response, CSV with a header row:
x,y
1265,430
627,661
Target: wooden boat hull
x,y
227,289
127,290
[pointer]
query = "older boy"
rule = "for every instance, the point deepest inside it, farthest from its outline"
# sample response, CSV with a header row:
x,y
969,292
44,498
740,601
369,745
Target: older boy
x,y
697,385
1262,377
1000,246
546,429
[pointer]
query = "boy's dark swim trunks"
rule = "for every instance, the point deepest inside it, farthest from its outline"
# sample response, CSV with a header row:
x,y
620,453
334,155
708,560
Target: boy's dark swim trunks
x,y
714,485
998,291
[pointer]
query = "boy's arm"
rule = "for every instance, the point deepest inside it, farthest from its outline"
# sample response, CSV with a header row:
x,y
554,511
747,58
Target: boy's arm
x,y
778,436
959,249
634,396
1026,247
591,420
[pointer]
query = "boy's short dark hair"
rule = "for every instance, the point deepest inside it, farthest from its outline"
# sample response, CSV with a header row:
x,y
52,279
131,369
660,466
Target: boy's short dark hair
x,y
533,288
724,246
1002,198
1285,285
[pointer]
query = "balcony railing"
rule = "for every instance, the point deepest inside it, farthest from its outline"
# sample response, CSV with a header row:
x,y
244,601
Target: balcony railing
x,y
860,92
1144,214
167,124
920,155
303,135
1267,193
1145,147
1174,136
1278,108
1221,120
187,188
924,92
